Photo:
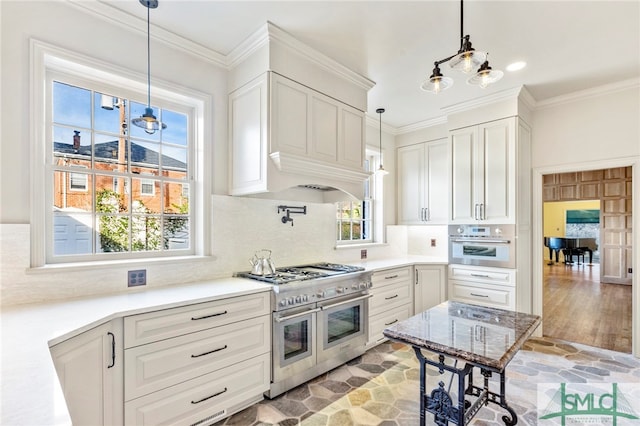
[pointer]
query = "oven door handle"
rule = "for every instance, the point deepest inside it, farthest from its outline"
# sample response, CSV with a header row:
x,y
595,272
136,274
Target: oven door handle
x,y
299,314
479,241
344,302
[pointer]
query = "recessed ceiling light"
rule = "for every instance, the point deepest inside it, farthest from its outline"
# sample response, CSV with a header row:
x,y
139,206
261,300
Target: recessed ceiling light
x,y
516,66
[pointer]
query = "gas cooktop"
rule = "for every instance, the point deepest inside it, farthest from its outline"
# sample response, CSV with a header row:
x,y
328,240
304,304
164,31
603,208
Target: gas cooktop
x,y
303,272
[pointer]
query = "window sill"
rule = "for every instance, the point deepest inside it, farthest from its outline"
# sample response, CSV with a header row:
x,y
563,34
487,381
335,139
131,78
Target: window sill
x,y
359,245
124,263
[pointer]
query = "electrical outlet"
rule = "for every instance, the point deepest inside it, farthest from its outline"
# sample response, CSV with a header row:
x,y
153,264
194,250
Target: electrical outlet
x,y
630,270
137,277
433,242
363,254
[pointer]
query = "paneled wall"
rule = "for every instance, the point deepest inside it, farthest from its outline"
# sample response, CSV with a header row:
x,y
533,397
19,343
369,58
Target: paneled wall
x,y
614,190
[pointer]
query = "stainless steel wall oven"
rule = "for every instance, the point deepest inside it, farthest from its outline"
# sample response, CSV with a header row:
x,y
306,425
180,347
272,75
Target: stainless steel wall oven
x,y
483,245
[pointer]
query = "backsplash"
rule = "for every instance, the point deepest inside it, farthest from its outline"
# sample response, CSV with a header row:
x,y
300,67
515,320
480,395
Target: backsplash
x,y
240,226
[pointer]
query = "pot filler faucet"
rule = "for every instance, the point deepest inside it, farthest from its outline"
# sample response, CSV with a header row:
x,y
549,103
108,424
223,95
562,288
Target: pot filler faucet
x,y
291,210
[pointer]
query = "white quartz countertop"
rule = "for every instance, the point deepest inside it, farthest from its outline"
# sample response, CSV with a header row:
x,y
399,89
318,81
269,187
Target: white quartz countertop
x,y
30,393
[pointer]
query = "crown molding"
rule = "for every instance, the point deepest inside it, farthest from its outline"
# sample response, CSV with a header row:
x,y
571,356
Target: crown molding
x,y
589,93
374,121
129,22
483,101
272,33
421,125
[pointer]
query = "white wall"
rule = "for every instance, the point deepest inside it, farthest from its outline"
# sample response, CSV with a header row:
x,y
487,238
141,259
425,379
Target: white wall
x,y
240,226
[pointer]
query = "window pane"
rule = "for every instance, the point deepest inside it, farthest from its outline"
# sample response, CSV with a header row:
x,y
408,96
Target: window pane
x,y
72,191
146,195
145,233
174,200
110,151
70,144
109,113
113,234
71,105
111,194
72,233
176,232
145,156
176,131
174,161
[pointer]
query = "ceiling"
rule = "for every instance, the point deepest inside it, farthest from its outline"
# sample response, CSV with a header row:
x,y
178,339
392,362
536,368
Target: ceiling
x,y
569,46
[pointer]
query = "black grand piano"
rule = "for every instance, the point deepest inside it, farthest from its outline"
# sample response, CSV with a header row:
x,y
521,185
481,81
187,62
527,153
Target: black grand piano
x,y
570,247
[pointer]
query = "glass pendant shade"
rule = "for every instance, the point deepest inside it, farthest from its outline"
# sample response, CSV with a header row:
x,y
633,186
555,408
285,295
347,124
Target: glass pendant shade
x,y
485,76
467,61
148,122
436,82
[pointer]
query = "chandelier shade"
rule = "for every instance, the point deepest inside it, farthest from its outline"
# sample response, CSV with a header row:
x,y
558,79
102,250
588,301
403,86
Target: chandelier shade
x,y
485,76
436,83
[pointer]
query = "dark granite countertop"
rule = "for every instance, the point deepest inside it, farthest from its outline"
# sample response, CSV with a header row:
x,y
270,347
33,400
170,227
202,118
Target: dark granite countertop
x,y
486,337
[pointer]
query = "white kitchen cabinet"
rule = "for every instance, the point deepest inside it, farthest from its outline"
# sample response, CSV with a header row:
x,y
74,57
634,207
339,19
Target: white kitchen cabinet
x,y
278,125
391,301
430,286
199,363
478,285
90,370
423,183
484,173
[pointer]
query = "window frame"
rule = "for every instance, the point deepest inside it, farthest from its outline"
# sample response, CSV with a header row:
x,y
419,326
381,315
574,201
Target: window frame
x,y
374,190
49,63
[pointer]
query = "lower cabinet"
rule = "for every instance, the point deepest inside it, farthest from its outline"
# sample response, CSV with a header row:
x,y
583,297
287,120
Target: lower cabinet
x,y
205,399
90,370
391,301
430,286
194,364
477,285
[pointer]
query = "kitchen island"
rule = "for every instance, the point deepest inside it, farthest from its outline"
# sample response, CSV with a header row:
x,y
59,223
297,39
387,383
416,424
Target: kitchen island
x,y
478,337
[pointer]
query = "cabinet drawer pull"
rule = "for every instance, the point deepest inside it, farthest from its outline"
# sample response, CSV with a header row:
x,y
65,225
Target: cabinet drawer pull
x,y
392,322
209,397
208,316
113,349
479,295
391,277
392,297
210,352
480,275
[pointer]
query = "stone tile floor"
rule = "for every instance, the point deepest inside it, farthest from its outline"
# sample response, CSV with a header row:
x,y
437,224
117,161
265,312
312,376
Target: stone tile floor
x,y
381,387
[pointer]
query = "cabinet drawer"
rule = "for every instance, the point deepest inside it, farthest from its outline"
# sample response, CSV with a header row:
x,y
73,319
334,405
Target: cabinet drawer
x,y
379,322
205,399
490,275
492,296
162,364
389,297
167,323
391,276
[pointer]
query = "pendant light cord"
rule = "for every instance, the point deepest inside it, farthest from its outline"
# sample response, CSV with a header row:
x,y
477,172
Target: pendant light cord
x,y
148,59
461,22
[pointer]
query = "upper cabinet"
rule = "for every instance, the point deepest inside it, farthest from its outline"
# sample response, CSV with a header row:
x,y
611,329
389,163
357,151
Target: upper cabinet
x,y
296,118
423,188
483,173
285,134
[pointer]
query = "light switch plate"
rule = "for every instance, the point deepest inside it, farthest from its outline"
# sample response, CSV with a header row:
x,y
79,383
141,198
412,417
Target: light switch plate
x,y
137,277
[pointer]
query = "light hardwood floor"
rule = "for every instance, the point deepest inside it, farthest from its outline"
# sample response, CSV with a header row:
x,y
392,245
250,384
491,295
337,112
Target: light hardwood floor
x,y
578,308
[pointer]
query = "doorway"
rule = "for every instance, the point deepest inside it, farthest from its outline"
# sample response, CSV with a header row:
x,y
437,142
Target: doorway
x,y
587,292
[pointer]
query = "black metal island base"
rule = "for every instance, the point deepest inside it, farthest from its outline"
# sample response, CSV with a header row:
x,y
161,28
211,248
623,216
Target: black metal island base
x,y
473,336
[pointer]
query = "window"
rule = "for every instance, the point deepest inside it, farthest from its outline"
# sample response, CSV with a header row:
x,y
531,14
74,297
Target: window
x,y
355,219
112,191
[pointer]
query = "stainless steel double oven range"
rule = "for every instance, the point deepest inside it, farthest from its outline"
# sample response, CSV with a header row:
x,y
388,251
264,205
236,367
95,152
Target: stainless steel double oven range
x,y
319,322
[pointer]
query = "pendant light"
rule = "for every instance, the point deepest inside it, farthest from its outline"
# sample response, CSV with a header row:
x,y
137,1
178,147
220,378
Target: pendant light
x,y
148,121
466,60
381,171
